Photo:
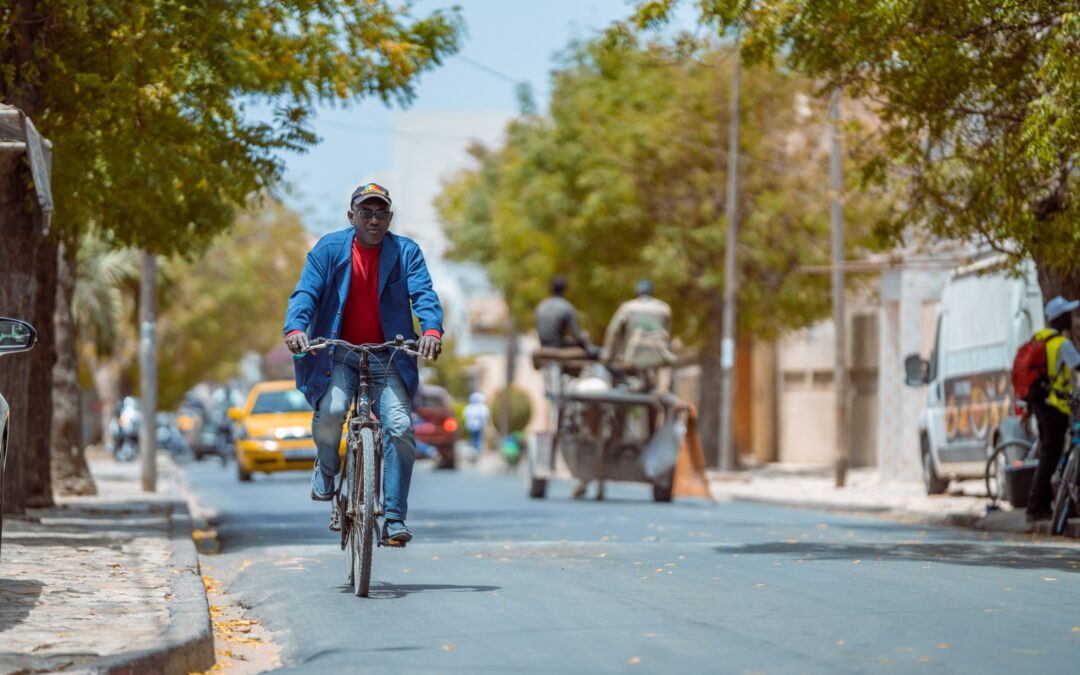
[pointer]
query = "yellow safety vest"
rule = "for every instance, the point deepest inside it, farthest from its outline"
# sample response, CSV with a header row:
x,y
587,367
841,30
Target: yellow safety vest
x,y
1058,381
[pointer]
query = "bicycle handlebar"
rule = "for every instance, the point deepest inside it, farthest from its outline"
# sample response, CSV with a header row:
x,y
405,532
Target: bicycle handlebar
x,y
399,343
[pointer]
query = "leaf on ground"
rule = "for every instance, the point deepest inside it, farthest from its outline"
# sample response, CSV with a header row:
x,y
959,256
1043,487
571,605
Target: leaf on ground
x,y
943,645
448,647
634,660
839,643
856,562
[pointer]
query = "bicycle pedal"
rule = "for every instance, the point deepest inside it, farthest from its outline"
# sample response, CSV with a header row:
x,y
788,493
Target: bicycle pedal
x,y
395,544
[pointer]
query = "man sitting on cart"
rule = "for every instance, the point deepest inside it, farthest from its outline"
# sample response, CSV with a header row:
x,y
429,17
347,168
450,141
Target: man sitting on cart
x,y
638,339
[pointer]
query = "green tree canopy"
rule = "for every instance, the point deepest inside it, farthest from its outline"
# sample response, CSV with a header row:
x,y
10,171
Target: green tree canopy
x,y
623,178
145,102
980,101
228,301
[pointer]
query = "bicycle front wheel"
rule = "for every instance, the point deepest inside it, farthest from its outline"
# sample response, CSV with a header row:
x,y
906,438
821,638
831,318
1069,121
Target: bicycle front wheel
x,y
994,473
363,509
1063,500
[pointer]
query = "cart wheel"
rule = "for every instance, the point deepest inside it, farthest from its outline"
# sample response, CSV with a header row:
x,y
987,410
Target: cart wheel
x,y
662,489
538,488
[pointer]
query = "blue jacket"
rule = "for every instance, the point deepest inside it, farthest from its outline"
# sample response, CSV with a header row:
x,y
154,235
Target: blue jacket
x,y
316,305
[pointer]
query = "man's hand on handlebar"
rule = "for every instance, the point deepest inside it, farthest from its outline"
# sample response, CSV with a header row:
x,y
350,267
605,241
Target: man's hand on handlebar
x,y
429,347
297,342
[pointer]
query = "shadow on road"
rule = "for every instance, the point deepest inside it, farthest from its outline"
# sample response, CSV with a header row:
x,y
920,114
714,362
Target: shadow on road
x,y
17,598
974,554
385,591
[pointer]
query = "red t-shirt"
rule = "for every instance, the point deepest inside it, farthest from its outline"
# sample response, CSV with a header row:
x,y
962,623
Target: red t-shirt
x,y
360,321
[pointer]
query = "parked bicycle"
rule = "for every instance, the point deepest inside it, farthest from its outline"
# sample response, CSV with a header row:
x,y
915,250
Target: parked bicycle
x,y
359,498
1067,494
1006,452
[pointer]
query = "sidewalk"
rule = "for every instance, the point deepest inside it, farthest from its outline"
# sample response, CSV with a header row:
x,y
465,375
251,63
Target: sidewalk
x,y
105,584
965,505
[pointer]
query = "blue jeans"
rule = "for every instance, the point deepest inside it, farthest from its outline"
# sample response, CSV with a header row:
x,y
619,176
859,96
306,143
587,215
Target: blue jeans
x,y
393,407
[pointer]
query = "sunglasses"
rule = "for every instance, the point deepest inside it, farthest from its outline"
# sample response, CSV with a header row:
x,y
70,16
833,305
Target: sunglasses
x,y
366,214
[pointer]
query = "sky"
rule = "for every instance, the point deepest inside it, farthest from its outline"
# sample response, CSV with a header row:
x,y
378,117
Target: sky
x,y
505,41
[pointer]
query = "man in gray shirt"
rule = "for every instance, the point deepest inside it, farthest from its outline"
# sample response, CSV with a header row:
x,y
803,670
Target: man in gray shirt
x,y
556,321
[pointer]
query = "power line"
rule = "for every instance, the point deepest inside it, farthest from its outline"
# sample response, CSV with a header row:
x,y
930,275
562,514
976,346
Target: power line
x,y
491,71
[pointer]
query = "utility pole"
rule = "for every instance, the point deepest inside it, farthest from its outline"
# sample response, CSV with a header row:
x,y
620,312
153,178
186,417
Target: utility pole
x,y
837,218
148,380
731,280
506,409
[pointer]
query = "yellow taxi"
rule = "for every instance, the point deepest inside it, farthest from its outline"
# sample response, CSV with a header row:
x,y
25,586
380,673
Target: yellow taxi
x,y
274,430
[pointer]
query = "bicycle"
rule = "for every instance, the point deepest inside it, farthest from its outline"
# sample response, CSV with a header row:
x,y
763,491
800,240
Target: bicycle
x,y
1067,496
1004,453
359,498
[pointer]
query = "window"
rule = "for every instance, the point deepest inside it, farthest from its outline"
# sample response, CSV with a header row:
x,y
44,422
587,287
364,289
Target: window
x,y
290,400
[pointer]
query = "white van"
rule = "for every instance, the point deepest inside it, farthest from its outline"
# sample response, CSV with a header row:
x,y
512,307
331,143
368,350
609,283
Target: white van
x,y
986,313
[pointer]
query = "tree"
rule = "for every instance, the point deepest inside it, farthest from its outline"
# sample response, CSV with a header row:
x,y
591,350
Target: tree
x,y
103,310
980,103
145,105
230,301
623,179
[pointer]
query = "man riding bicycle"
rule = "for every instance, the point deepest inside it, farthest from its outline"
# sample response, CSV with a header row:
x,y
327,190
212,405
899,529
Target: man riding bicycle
x,y
362,284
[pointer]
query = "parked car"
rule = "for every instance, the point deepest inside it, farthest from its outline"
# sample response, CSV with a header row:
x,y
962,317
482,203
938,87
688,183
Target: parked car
x,y
15,336
435,424
986,313
274,430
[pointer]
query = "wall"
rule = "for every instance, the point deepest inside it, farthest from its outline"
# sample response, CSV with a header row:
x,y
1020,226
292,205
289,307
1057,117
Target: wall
x,y
908,316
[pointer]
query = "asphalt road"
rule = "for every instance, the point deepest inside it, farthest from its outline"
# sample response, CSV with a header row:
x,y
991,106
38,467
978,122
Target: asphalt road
x,y
495,582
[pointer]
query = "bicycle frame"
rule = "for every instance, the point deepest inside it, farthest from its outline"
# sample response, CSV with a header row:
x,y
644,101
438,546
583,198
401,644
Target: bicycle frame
x,y
361,418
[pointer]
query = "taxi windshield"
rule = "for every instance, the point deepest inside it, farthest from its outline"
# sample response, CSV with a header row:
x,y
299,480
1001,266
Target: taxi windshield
x,y
280,402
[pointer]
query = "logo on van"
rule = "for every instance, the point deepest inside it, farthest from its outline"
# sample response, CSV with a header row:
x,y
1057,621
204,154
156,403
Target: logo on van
x,y
975,405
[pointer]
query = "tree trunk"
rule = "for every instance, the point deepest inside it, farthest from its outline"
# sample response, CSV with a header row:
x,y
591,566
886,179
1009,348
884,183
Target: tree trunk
x,y
70,474
1054,283
709,388
28,292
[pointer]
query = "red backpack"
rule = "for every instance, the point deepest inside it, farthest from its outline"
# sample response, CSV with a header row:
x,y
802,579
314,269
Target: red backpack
x,y
1030,376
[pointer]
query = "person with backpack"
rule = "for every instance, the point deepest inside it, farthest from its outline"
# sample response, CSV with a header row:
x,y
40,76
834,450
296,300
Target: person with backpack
x,y
1043,377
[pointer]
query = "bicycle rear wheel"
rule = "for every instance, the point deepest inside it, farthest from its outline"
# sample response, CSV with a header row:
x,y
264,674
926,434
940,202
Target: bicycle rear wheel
x,y
994,473
1063,500
363,523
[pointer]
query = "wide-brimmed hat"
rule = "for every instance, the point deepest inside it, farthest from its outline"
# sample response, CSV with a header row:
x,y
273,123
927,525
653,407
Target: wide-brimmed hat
x,y
1059,307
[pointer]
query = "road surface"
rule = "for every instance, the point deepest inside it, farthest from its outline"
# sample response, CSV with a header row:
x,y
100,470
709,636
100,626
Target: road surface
x,y
495,582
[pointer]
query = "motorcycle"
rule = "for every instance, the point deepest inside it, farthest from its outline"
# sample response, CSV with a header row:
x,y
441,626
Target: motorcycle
x,y
125,430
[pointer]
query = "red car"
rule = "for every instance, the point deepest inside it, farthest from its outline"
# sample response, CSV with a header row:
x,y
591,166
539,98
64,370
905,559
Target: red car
x,y
435,423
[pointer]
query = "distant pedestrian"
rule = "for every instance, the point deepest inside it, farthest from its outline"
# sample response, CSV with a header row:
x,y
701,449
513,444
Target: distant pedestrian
x,y
476,416
1052,411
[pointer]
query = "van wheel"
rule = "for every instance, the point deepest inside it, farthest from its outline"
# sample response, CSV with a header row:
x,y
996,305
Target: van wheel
x,y
241,475
934,485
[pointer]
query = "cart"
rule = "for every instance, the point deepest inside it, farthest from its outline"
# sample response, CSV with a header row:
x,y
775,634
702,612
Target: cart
x,y
603,433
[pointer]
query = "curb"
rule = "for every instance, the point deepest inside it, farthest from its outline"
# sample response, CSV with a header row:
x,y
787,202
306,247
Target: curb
x,y
187,645
992,522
